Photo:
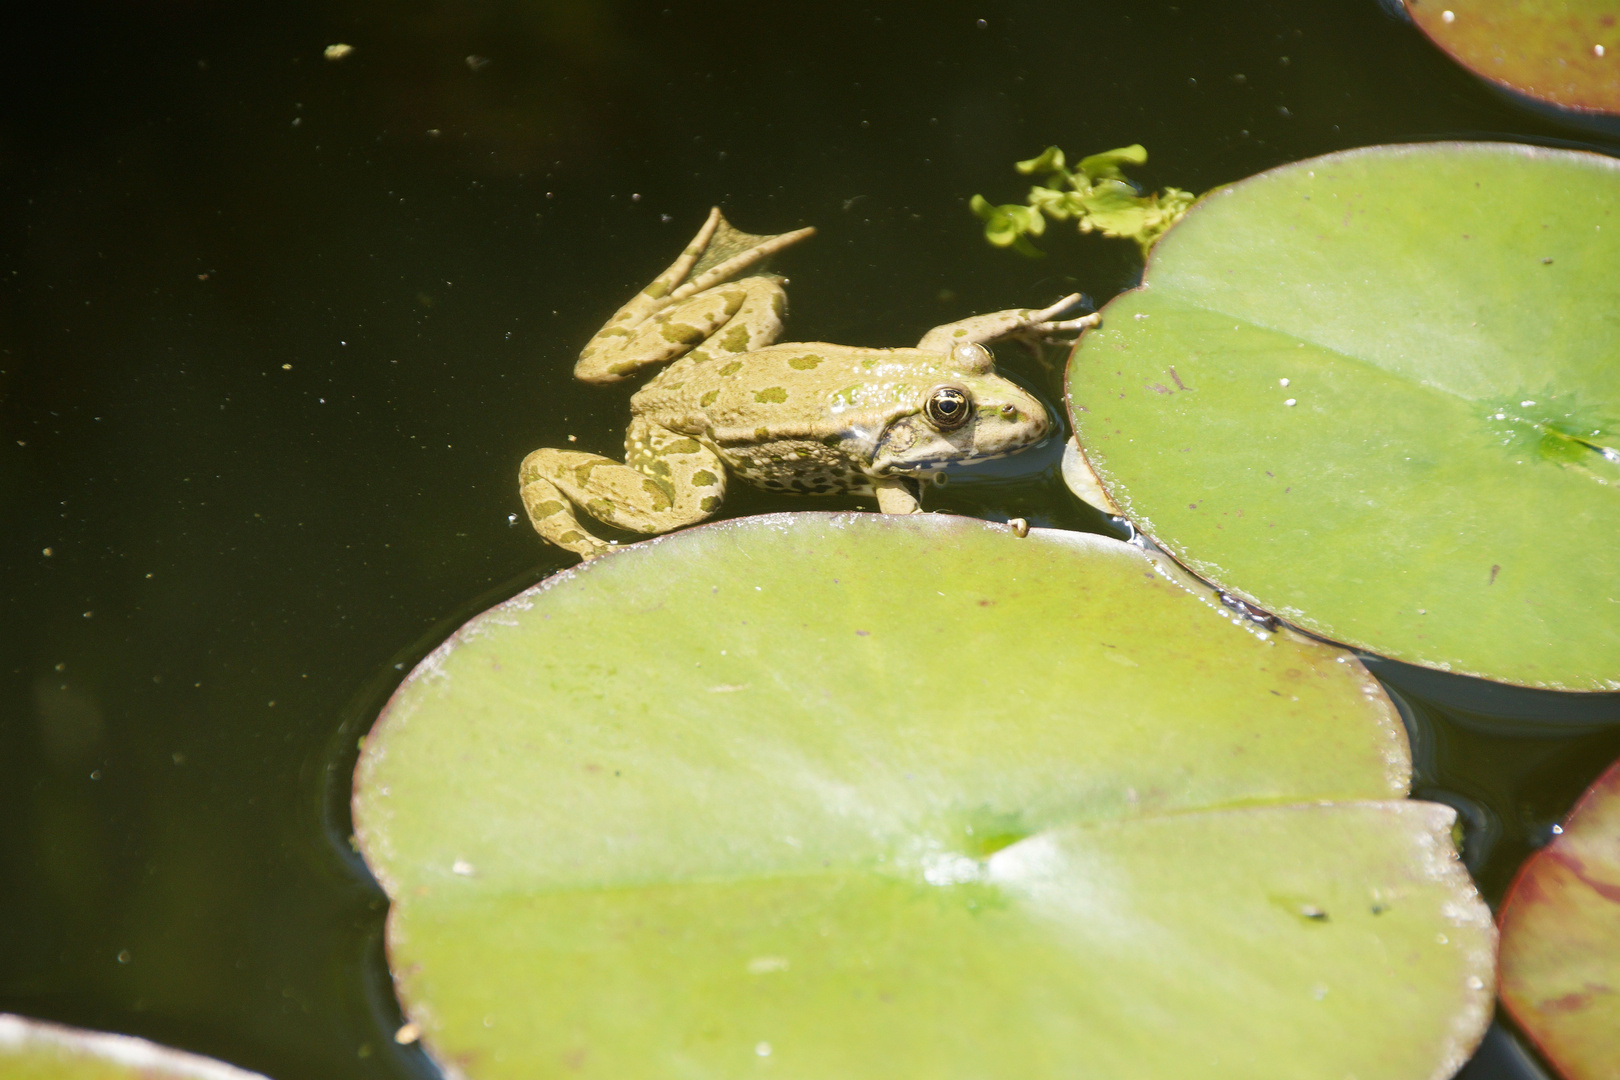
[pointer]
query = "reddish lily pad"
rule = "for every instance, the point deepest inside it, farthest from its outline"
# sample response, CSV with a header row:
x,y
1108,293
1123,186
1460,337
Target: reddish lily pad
x,y
1561,940
1563,52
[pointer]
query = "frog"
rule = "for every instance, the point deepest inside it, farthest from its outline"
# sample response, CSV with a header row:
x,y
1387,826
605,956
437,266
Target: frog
x,y
807,417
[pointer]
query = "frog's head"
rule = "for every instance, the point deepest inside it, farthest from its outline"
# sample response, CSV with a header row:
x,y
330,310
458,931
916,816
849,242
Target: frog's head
x,y
969,415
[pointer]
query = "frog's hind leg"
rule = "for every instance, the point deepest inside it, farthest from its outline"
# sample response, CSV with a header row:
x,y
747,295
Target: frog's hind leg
x,y
722,321
673,313
671,480
1015,322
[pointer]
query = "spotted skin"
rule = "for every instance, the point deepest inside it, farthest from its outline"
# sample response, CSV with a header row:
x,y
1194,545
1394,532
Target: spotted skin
x,y
668,480
811,418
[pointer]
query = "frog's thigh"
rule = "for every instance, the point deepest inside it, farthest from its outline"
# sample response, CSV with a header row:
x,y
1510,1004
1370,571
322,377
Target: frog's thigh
x,y
679,479
755,323
675,481
726,319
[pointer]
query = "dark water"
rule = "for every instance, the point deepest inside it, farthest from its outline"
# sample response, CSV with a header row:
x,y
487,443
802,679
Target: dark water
x,y
244,555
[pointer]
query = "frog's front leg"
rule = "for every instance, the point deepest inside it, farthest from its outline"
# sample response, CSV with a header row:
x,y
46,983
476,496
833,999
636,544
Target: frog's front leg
x,y
895,496
669,480
1015,322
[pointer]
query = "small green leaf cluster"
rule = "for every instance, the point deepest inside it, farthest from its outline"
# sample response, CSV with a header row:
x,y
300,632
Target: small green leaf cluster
x,y
1096,195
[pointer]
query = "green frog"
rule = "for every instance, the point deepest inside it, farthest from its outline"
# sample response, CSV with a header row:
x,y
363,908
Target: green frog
x,y
807,417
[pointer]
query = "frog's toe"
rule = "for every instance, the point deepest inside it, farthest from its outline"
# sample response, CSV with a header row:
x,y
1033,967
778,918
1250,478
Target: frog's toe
x,y
1045,315
589,551
1066,326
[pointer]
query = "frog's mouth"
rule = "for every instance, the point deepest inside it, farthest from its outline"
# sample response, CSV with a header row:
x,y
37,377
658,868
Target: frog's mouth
x,y
910,447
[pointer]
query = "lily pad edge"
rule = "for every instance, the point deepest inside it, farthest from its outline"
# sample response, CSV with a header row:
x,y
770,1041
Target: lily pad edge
x,y
21,1034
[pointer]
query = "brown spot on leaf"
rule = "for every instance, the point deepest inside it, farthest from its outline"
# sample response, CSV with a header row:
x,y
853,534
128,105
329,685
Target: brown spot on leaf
x,y
1566,1004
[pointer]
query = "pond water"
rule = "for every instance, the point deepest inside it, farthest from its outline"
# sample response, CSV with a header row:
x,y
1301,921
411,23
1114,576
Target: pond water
x,y
276,330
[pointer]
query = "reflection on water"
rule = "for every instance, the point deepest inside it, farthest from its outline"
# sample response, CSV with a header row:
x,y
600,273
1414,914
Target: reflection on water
x,y
276,330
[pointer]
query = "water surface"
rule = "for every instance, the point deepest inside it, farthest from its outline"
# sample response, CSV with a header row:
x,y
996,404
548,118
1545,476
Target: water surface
x,y
276,331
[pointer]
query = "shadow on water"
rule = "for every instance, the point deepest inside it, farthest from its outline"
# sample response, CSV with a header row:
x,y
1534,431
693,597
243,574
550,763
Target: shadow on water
x,y
275,332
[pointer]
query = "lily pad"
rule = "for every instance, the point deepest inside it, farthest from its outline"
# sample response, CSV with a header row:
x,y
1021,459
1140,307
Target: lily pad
x,y
836,795
1561,940
34,1050
1376,393
1563,52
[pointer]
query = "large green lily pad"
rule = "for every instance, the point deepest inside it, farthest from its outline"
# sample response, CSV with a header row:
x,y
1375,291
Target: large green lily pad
x,y
1376,393
34,1050
1561,940
1564,52
818,795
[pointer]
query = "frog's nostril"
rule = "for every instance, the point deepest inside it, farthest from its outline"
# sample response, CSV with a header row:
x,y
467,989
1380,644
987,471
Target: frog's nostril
x,y
1009,409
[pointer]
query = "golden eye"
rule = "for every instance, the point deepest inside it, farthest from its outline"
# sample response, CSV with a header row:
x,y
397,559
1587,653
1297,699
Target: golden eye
x,y
948,407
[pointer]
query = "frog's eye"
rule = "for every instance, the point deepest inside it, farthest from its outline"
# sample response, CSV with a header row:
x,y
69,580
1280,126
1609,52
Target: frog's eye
x,y
948,407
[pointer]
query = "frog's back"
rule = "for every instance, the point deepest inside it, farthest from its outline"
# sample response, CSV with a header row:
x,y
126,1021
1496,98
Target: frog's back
x,y
809,388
